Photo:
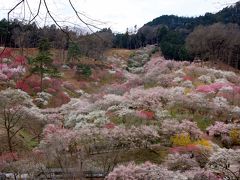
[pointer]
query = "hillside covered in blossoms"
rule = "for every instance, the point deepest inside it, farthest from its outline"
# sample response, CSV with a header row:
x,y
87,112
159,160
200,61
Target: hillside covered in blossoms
x,y
133,115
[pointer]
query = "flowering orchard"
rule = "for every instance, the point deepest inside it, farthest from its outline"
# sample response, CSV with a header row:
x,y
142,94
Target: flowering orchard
x,y
145,118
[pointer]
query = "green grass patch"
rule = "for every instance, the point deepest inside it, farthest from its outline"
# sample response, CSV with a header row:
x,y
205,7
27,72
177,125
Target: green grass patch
x,y
180,113
151,84
203,122
155,155
27,139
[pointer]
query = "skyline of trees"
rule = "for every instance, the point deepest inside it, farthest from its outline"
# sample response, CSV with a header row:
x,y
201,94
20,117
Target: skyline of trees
x,y
169,32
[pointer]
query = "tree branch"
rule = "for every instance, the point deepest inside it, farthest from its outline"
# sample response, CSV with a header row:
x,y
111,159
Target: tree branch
x,y
49,13
87,24
8,24
39,7
84,22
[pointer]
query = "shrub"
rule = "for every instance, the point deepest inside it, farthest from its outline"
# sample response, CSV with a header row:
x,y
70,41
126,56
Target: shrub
x,y
203,142
235,136
145,114
185,149
143,171
21,60
182,139
6,53
51,90
182,162
37,89
23,86
84,70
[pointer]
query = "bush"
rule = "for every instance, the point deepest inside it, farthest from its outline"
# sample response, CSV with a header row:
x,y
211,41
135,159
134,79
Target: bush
x,y
235,136
181,139
83,69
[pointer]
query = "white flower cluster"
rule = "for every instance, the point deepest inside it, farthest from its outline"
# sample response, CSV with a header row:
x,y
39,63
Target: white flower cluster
x,y
236,111
162,114
108,101
220,103
226,162
16,95
205,79
177,79
187,84
180,73
42,98
226,89
74,119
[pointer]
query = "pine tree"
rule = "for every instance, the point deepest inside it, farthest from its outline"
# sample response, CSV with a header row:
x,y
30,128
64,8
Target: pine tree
x,y
42,63
74,52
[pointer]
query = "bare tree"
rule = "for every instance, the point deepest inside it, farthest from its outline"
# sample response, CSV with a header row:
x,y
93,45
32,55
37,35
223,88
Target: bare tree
x,y
43,4
217,42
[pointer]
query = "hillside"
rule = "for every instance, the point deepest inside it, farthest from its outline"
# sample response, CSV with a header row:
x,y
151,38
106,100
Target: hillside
x,y
78,101
136,116
229,14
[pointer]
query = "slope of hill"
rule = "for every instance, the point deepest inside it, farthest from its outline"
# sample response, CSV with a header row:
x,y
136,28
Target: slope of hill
x,y
150,118
229,14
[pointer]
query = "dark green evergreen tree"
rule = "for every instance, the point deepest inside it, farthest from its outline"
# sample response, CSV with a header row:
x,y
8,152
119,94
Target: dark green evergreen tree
x,y
42,63
74,52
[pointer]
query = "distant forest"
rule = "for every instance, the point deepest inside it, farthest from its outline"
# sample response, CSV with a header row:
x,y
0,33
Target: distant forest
x,y
210,37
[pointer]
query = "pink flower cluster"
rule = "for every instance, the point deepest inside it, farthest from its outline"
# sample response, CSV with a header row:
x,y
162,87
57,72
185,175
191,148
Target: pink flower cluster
x,y
7,158
7,72
185,149
111,135
172,127
219,128
143,171
6,53
146,99
23,86
122,88
32,85
145,114
20,60
212,88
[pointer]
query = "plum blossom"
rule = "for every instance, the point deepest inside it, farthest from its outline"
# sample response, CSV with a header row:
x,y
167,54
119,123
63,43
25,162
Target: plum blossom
x,y
3,77
181,162
177,79
144,171
162,114
221,80
236,111
187,84
226,162
95,117
219,128
171,127
12,72
108,101
220,102
180,73
205,79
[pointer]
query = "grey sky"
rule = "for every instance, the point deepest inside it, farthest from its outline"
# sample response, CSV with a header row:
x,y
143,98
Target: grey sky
x,y
115,13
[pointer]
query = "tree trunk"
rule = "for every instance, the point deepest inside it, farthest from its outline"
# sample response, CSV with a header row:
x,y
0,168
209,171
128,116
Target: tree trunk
x,y
9,140
41,76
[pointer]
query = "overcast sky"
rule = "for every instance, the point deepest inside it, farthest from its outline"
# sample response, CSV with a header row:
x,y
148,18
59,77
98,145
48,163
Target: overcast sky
x,y
116,14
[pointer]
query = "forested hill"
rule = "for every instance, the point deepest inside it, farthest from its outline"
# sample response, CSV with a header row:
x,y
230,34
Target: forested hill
x,y
229,14
213,37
